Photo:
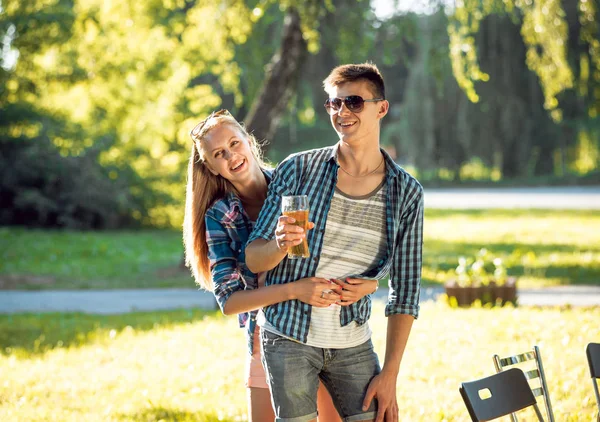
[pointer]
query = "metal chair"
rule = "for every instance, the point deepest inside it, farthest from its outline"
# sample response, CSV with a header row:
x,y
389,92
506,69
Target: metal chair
x,y
593,355
498,395
540,389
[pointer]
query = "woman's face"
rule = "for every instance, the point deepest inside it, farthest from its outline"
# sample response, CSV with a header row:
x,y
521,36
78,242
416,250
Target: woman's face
x,y
227,152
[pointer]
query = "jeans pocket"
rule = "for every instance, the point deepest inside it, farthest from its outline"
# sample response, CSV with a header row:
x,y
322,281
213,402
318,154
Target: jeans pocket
x,y
270,339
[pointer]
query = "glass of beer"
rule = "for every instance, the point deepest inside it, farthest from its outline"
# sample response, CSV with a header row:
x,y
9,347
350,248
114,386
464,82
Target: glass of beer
x,y
297,208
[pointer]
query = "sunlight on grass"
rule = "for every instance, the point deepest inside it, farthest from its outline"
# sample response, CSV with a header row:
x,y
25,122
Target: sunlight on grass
x,y
190,368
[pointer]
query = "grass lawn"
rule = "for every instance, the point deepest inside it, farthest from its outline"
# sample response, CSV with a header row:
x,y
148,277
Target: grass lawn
x,y
541,247
188,365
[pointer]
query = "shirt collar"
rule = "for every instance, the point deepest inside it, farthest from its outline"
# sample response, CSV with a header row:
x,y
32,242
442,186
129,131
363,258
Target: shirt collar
x,y
234,210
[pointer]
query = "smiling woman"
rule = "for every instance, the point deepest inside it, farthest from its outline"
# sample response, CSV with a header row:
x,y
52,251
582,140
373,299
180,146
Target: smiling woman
x,y
227,185
225,161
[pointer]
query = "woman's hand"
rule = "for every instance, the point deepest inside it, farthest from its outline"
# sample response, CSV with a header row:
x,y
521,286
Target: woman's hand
x,y
315,291
354,289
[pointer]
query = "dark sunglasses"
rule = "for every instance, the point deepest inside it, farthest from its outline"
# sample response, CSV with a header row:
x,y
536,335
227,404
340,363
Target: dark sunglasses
x,y
198,128
354,103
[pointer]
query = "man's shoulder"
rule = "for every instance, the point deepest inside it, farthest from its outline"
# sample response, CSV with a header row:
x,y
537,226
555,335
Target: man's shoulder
x,y
311,154
407,180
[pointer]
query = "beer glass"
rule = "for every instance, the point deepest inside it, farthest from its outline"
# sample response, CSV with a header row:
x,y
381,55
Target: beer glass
x,y
297,208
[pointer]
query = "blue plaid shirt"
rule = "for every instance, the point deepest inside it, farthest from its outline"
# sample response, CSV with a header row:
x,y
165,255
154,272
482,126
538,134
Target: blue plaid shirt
x,y
314,173
227,230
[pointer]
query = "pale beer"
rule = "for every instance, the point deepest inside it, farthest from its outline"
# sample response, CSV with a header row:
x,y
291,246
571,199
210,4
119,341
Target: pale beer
x,y
296,206
301,250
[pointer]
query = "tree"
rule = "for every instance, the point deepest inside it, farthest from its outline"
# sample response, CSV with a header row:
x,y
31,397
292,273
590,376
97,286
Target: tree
x,y
280,81
49,176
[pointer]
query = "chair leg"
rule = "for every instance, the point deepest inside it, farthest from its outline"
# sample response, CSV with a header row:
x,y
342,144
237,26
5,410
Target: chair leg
x,y
597,392
538,413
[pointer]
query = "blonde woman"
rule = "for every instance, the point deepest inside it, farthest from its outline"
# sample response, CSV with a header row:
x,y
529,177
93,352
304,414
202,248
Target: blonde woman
x,y
226,187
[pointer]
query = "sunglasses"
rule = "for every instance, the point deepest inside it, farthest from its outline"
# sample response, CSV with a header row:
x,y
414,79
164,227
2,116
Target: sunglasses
x,y
195,132
354,103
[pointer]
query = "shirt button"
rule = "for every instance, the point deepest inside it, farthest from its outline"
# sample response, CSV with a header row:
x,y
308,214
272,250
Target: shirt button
x,y
315,259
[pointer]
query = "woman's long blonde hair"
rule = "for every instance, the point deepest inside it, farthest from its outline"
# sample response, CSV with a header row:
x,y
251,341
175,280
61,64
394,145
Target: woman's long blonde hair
x,y
202,191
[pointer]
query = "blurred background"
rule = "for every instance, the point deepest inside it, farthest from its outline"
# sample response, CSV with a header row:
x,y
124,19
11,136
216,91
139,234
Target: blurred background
x,y
97,97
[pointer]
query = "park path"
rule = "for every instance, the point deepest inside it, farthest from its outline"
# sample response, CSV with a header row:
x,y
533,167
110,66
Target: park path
x,y
582,198
131,300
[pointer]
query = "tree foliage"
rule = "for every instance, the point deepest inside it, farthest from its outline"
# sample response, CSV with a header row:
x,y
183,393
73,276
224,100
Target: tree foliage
x,y
96,108
553,51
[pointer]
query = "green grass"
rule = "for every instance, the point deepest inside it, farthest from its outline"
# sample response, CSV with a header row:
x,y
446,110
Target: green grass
x,y
43,259
189,365
541,247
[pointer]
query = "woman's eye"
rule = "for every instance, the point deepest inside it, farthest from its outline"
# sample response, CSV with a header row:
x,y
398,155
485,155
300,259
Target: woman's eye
x,y
234,143
218,154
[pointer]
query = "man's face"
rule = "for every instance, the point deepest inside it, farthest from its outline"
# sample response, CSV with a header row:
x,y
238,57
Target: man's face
x,y
358,126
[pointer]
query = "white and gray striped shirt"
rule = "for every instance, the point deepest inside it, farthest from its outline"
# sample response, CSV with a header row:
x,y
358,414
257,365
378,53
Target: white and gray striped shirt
x,y
354,242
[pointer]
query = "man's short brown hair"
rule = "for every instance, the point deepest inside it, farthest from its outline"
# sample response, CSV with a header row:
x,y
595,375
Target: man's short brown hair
x,y
356,72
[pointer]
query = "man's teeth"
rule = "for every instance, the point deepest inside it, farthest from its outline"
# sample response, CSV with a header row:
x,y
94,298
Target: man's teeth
x,y
346,124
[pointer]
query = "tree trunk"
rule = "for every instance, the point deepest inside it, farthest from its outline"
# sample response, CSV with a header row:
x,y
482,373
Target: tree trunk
x,y
280,84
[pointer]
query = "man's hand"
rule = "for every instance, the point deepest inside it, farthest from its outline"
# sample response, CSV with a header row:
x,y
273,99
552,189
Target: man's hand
x,y
354,289
287,234
383,388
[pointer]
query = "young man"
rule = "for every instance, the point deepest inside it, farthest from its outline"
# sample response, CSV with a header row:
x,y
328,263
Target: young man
x,y
368,222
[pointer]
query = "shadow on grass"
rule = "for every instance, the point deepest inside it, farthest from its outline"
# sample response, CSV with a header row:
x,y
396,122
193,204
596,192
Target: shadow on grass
x,y
162,414
36,333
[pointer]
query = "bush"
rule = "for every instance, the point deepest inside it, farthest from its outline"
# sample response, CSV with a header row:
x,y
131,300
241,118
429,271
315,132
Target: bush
x,y
41,188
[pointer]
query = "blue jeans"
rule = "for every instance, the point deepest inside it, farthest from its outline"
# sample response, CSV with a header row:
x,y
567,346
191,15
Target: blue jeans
x,y
293,370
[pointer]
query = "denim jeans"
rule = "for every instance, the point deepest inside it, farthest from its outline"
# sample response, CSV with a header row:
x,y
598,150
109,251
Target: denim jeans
x,y
293,370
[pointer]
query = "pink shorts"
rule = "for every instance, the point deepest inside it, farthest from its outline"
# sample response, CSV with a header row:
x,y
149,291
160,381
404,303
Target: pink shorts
x,y
254,369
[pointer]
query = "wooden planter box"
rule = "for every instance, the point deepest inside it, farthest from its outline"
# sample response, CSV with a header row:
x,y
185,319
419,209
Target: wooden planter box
x,y
492,293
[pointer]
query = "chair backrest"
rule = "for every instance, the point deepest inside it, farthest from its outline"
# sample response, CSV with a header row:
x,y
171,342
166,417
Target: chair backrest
x,y
498,395
593,355
535,374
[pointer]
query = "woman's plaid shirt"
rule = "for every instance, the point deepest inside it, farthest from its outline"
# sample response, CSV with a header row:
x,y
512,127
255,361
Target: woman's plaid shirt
x,y
227,230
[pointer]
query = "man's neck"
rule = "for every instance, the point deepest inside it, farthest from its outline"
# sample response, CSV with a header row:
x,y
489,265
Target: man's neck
x,y
358,159
361,169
